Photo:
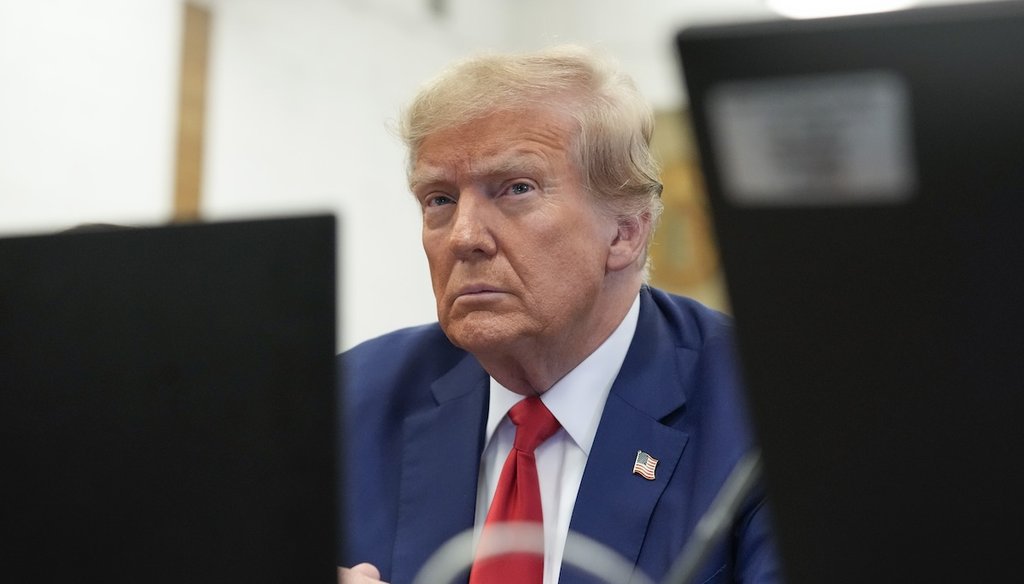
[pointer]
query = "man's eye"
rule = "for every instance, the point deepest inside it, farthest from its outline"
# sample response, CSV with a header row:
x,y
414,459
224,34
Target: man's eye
x,y
520,188
439,200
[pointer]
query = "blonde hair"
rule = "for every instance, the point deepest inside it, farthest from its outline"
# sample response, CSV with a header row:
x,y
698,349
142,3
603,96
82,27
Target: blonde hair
x,y
612,147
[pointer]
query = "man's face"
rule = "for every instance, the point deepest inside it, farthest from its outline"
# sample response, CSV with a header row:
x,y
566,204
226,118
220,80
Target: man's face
x,y
517,249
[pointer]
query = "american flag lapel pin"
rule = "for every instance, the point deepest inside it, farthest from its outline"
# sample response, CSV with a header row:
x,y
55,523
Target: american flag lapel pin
x,y
645,465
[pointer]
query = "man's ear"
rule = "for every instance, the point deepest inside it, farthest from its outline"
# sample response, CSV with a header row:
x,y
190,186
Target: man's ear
x,y
630,242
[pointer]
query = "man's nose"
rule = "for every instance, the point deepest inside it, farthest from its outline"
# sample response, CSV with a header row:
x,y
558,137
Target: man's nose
x,y
471,232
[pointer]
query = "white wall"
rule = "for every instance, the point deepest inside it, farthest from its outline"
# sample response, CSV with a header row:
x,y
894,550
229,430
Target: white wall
x,y
88,92
303,97
638,34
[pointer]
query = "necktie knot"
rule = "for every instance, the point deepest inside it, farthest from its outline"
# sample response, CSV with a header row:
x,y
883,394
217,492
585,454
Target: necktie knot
x,y
534,423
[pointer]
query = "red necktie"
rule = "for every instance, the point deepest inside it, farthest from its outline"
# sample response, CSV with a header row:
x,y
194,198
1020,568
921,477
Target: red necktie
x,y
517,497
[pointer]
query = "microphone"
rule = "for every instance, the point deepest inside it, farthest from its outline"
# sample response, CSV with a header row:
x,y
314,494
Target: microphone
x,y
717,519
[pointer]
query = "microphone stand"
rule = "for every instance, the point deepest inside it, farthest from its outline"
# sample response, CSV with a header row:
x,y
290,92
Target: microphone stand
x,y
717,519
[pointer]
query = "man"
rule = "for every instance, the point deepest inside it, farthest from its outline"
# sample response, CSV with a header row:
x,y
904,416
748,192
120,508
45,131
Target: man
x,y
539,196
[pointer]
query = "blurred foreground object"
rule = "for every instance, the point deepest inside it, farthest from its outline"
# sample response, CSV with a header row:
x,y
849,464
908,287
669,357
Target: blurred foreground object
x,y
867,190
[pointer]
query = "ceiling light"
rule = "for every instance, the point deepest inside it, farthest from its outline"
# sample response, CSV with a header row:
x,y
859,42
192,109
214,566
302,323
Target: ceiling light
x,y
825,8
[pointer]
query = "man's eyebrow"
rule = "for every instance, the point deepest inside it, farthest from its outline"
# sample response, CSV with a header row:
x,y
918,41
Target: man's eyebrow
x,y
429,176
515,163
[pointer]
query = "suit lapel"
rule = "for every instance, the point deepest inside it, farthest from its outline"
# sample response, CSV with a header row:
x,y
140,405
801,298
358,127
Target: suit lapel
x,y
440,464
614,505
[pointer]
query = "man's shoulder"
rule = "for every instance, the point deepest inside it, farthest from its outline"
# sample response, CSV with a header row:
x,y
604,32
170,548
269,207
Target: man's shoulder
x,y
406,344
692,324
422,337
697,339
400,358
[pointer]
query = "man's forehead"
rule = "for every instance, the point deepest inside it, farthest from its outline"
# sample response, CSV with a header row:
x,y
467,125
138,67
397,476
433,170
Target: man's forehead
x,y
447,166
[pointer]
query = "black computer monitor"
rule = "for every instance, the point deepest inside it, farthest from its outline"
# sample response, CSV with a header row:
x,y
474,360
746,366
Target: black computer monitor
x,y
167,407
866,177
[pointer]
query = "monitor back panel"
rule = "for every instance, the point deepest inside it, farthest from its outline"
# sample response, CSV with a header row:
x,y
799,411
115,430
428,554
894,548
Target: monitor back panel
x,y
866,177
167,403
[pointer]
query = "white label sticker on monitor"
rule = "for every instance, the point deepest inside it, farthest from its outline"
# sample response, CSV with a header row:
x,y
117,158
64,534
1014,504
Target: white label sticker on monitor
x,y
821,140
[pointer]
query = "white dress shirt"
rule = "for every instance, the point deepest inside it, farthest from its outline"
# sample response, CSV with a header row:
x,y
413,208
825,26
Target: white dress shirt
x,y
577,401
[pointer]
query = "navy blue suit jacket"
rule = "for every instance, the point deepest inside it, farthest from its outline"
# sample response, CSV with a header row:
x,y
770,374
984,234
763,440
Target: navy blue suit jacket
x,y
415,409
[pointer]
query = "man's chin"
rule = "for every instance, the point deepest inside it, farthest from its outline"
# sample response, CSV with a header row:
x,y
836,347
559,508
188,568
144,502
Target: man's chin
x,y
480,334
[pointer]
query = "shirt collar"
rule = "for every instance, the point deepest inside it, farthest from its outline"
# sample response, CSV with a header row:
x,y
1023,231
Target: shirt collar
x,y
577,399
